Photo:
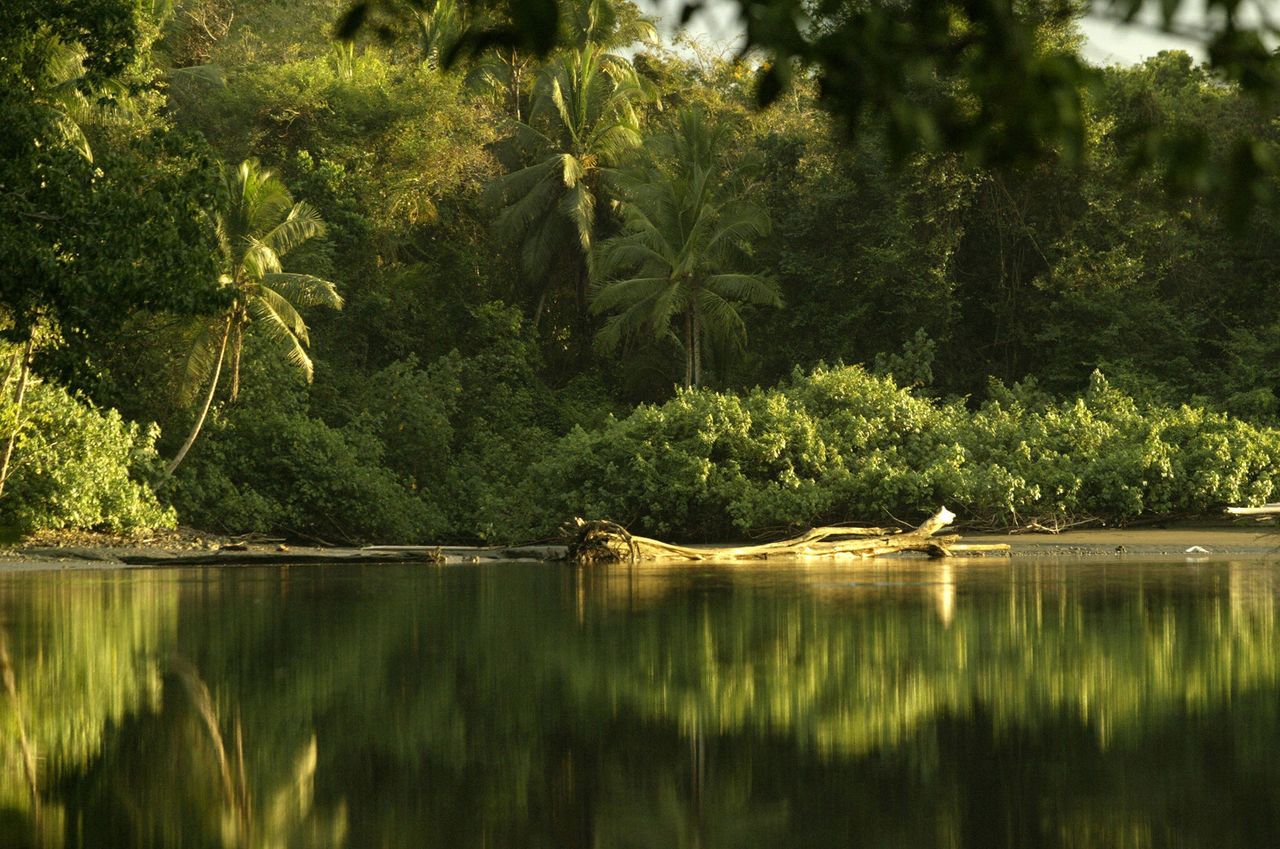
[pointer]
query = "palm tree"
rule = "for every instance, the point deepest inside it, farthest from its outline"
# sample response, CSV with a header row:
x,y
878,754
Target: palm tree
x,y
59,97
441,27
258,227
607,23
583,120
685,228
505,72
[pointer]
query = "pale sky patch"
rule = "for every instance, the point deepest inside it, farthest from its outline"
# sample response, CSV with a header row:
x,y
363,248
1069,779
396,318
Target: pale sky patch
x,y
1107,41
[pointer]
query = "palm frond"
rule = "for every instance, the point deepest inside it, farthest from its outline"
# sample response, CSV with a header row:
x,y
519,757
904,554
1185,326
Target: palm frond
x,y
529,206
279,328
738,223
669,303
300,224
210,75
304,290
283,312
572,170
612,334
623,293
721,317
67,131
514,185
529,138
556,96
258,197
542,241
613,140
656,212
619,70
649,316
625,253
747,288
259,259
579,206
439,30
624,326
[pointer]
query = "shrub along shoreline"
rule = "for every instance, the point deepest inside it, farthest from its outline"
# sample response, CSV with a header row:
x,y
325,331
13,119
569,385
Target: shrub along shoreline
x,y
832,445
840,444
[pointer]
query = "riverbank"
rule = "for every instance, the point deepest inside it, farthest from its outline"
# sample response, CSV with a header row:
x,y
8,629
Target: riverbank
x,y
78,550
188,547
1192,540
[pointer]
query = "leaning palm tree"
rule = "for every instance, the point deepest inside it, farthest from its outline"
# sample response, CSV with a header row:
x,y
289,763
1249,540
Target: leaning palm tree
x,y
685,228
259,225
583,120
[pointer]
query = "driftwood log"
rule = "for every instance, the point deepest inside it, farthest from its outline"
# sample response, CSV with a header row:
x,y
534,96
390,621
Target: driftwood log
x,y
602,541
1264,510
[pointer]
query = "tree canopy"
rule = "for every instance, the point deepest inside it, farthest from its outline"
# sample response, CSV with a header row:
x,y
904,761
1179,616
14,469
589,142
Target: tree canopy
x,y
999,81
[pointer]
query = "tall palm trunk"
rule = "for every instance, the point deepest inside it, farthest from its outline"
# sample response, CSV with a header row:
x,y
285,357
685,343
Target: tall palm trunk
x,y
582,318
688,349
537,310
697,355
19,396
237,345
697,347
208,401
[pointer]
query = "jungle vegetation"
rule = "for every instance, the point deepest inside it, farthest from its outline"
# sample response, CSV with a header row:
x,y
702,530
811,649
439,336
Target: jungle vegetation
x,y
582,271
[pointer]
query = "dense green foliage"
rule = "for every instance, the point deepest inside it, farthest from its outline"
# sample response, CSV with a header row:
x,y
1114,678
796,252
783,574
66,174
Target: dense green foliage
x,y
99,205
530,244
842,445
79,467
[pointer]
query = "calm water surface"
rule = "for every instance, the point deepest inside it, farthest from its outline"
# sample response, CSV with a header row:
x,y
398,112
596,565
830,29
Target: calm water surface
x,y
521,705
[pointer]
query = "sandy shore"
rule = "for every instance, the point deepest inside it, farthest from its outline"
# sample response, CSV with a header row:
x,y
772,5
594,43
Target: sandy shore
x,y
191,549
1177,542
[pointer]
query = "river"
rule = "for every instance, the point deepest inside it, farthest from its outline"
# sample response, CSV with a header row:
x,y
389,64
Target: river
x,y
907,703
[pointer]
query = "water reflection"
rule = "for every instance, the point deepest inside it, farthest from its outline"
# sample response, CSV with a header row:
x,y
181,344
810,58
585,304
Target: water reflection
x,y
915,705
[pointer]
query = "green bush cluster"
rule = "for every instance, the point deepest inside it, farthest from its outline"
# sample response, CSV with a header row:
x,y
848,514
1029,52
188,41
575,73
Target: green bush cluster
x,y
463,449
76,466
1105,455
840,444
413,453
282,471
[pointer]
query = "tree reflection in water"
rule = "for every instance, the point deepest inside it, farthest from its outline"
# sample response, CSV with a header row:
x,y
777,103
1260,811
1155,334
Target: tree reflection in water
x,y
1117,705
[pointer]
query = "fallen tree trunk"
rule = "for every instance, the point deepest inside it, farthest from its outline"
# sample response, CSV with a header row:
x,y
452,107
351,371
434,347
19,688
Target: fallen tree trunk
x,y
602,541
1264,510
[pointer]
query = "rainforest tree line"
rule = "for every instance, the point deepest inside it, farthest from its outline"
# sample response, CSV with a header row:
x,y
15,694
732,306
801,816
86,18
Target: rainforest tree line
x,y
442,281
